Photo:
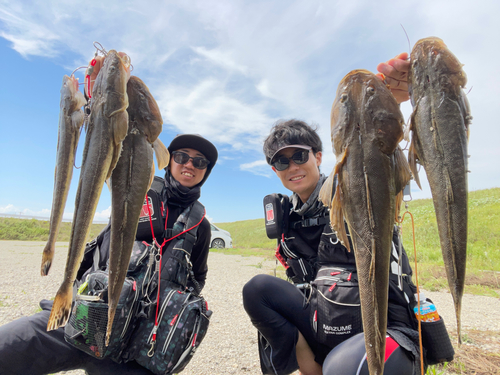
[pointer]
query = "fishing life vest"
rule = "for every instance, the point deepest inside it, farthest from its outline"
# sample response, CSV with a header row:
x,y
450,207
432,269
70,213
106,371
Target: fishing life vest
x,y
158,274
302,262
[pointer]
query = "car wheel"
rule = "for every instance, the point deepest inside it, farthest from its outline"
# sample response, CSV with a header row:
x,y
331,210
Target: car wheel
x,y
218,243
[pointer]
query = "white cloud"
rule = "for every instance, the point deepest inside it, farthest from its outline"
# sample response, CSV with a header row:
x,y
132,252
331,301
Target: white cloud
x,y
258,167
221,58
209,110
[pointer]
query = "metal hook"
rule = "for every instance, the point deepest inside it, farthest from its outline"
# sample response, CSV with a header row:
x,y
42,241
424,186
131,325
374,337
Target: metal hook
x,y
81,67
98,46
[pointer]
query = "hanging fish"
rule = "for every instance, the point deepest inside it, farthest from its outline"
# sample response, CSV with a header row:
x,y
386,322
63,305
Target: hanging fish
x,y
371,170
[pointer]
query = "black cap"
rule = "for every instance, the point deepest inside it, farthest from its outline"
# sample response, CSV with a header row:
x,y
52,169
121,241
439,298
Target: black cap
x,y
196,142
272,155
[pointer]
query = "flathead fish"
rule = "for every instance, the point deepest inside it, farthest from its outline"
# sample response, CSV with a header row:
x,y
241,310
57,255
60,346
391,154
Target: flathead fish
x,y
70,123
107,127
129,183
366,128
440,131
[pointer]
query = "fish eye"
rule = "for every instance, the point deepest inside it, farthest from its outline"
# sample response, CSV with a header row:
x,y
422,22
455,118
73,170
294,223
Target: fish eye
x,y
370,90
343,98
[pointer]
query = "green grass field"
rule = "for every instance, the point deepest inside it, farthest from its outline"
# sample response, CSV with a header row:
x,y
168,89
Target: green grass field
x,y
483,251
249,238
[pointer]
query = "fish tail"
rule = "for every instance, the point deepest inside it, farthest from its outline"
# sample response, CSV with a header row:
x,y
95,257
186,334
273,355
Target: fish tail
x,y
458,309
61,308
111,318
47,257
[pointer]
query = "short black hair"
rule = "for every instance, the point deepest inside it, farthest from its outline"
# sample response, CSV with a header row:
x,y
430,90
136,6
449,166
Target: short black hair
x,y
291,132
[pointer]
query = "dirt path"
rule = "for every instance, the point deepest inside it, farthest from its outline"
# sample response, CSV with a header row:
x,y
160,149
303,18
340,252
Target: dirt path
x,y
230,345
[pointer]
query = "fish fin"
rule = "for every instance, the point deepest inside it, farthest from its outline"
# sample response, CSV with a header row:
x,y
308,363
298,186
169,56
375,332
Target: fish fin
x,y
108,183
77,118
336,210
119,126
412,161
326,193
162,154
406,132
412,153
402,170
80,100
151,178
116,155
337,217
466,113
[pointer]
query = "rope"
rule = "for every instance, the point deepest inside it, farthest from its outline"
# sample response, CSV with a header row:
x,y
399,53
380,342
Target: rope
x,y
418,287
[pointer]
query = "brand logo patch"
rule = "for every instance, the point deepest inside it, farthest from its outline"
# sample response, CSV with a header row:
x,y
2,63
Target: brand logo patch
x,y
337,330
144,210
269,213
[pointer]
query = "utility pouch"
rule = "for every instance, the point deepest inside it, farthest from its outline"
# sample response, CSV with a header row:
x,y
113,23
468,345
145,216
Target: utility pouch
x,y
335,305
86,329
437,343
167,348
275,205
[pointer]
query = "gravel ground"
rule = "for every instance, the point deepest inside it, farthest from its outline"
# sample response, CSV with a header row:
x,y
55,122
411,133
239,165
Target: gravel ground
x,y
230,346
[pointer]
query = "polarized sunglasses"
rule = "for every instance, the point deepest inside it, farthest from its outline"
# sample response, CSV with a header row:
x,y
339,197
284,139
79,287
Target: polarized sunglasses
x,y
282,162
183,158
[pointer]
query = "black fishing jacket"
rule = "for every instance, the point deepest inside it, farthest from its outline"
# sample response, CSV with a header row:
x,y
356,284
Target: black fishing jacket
x,y
199,254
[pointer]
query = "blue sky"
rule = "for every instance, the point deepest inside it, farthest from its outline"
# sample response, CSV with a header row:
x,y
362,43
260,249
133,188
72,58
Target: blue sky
x,y
227,70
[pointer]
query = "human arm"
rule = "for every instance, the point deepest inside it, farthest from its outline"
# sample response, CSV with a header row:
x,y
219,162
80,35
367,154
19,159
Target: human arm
x,y
395,73
199,254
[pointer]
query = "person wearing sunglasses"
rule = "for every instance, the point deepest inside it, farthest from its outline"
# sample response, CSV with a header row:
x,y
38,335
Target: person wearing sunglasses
x,y
25,345
280,309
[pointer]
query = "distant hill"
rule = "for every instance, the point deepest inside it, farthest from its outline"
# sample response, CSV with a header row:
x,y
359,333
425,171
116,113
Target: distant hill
x,y
483,232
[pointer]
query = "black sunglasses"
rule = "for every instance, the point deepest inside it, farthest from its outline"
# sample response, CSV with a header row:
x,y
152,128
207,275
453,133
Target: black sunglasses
x,y
282,162
183,158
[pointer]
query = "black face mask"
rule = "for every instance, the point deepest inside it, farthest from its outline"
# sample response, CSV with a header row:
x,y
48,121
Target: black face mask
x,y
179,195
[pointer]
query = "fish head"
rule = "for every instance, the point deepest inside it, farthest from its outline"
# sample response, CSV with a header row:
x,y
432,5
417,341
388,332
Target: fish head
x,y
365,105
111,82
432,64
143,110
71,97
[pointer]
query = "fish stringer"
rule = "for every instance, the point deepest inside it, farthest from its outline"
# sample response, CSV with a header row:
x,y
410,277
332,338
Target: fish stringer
x,y
400,235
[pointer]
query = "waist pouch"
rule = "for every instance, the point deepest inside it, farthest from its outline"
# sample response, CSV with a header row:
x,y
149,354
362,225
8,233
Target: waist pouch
x,y
183,320
335,305
436,341
86,329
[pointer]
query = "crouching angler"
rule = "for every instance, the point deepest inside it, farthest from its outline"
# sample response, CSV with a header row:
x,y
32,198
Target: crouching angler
x,y
182,238
301,320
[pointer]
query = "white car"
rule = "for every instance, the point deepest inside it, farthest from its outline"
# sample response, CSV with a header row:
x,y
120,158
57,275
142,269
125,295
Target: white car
x,y
220,238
